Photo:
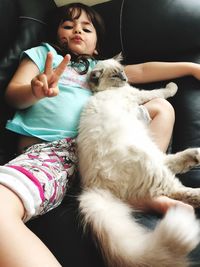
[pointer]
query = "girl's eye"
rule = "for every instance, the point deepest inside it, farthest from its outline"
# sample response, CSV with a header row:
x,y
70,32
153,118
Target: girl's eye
x,y
87,30
68,27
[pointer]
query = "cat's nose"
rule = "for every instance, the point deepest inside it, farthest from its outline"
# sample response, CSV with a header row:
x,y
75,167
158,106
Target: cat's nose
x,y
123,76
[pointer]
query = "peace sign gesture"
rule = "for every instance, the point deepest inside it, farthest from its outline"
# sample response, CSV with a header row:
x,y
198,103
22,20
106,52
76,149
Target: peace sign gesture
x,y
46,84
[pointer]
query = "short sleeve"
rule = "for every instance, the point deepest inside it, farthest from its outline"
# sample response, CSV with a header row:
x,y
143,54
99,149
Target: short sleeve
x,y
38,55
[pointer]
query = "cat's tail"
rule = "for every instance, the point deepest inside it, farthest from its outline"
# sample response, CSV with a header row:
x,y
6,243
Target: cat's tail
x,y
125,243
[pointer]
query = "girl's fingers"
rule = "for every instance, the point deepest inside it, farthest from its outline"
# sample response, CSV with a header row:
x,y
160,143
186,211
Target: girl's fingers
x,y
51,76
61,67
38,84
48,64
43,79
35,83
53,92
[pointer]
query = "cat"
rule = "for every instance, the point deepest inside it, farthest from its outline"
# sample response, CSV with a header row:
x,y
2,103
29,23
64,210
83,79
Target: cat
x,y
119,163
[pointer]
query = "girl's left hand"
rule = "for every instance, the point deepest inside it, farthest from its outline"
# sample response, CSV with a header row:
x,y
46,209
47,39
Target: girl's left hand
x,y
46,84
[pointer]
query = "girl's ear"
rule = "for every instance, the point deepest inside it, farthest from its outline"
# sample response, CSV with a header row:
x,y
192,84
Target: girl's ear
x,y
96,52
119,57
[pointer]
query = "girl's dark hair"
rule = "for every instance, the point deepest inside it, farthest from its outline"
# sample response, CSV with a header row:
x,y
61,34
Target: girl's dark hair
x,y
70,12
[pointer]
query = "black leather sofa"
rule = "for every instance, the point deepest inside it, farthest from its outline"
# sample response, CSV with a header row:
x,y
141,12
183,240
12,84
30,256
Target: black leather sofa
x,y
144,30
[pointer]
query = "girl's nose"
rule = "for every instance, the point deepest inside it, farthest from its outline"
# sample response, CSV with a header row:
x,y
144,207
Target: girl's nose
x,y
77,29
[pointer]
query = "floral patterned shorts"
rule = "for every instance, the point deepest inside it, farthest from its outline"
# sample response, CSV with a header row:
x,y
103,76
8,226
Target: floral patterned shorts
x,y
41,175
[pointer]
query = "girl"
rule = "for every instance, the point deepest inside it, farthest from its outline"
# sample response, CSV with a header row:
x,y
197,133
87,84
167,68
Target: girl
x,y
49,90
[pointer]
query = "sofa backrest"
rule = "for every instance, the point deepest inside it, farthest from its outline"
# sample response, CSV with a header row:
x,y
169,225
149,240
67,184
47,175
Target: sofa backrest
x,y
22,25
159,30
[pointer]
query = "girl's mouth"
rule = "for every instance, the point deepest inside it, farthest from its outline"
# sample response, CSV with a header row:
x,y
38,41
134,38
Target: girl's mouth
x,y
77,39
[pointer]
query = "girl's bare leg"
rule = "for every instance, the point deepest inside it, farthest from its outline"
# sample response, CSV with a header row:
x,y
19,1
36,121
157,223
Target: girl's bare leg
x,y
161,126
19,247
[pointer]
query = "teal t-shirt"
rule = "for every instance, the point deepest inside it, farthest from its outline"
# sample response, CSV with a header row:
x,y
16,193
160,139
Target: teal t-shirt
x,y
58,117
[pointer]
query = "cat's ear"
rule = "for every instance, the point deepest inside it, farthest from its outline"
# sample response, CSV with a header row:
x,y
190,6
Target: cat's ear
x,y
119,57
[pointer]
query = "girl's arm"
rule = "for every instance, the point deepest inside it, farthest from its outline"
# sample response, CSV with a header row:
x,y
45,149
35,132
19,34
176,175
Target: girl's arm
x,y
19,92
28,85
158,71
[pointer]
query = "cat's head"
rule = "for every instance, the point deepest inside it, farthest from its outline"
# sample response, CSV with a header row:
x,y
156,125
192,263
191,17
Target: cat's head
x,y
106,74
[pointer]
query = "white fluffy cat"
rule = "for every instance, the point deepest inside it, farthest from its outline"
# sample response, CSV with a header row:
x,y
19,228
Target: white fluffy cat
x,y
119,164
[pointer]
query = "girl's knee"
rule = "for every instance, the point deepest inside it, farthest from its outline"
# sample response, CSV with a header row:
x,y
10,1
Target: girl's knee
x,y
161,107
11,205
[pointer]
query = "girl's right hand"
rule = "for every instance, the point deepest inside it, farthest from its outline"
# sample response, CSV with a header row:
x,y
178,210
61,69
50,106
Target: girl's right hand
x,y
46,84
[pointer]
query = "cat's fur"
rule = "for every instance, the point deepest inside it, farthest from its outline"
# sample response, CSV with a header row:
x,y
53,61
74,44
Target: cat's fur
x,y
119,164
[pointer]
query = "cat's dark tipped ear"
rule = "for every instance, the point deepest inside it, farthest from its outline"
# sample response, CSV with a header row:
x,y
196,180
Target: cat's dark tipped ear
x,y
119,57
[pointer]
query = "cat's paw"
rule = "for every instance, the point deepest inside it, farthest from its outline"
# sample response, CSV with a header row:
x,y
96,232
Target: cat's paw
x,y
172,88
197,155
192,157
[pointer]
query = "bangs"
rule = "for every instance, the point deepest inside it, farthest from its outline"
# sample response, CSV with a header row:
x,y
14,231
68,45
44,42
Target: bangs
x,y
74,13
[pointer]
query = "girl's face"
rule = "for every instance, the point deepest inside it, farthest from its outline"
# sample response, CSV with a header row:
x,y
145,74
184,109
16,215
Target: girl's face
x,y
79,35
